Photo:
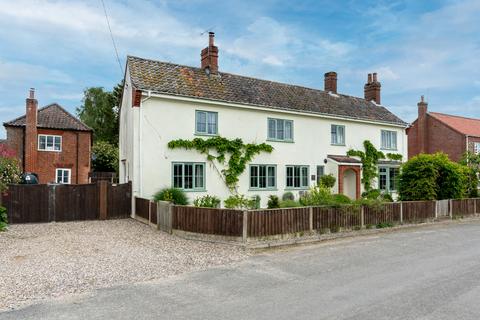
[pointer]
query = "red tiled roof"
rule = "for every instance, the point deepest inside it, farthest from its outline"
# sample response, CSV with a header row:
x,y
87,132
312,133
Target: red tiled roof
x,y
467,126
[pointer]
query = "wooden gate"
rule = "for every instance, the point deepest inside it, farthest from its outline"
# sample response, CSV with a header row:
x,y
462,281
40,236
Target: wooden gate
x,y
442,208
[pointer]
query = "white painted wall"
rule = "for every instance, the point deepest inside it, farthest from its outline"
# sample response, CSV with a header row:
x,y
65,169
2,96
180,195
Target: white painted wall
x,y
161,120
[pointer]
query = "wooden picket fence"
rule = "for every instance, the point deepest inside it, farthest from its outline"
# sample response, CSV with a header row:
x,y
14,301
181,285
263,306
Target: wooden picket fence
x,y
273,222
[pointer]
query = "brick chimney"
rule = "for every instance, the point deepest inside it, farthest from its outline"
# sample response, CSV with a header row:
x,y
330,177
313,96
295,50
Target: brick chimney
x,y
210,55
422,133
331,82
372,88
31,139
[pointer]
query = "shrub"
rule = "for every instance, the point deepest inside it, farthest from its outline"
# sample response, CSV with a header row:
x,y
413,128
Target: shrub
x,y
289,204
3,218
288,196
207,202
176,196
317,196
239,201
10,172
341,199
430,177
377,194
328,180
256,200
273,202
104,157
382,225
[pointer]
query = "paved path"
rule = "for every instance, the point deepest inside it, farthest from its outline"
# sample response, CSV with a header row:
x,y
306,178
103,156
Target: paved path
x,y
425,273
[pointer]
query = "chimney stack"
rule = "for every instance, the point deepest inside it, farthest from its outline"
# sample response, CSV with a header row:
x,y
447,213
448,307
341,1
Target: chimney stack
x,y
31,139
422,132
209,56
331,82
372,88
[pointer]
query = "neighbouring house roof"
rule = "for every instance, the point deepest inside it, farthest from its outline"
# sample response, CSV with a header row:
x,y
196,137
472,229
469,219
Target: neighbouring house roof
x,y
344,159
52,116
173,79
467,126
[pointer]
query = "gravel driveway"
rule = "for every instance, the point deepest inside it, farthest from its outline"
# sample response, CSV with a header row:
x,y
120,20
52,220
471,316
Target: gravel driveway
x,y
50,260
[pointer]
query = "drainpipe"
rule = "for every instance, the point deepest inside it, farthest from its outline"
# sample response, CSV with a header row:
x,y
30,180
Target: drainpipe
x,y
140,136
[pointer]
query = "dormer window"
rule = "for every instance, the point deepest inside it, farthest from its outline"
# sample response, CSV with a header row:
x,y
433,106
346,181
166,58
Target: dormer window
x,y
49,143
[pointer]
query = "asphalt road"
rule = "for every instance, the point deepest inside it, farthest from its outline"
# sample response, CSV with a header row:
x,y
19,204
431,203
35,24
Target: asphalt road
x,y
425,273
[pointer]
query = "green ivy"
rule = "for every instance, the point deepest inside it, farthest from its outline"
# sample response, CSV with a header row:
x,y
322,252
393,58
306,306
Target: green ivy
x,y
369,159
240,154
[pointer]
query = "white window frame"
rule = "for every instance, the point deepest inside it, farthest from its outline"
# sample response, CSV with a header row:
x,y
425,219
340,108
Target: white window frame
x,y
322,169
52,148
69,171
279,125
208,123
268,176
388,178
335,138
388,140
194,187
476,147
304,177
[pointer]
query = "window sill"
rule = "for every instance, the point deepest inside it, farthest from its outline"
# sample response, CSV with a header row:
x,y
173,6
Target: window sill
x,y
284,141
299,188
338,144
386,149
262,189
42,150
206,134
194,190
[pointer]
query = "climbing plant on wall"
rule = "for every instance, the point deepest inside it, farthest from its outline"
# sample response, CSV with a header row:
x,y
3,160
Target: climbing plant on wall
x,y
369,159
218,148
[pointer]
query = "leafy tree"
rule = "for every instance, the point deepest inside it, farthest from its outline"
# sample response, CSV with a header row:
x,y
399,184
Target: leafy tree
x,y
472,161
104,157
10,172
430,177
100,111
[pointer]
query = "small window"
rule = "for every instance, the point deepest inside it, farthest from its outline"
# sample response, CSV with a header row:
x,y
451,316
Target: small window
x,y
280,129
206,122
49,142
389,140
189,176
63,176
388,178
320,173
338,135
263,176
476,147
297,177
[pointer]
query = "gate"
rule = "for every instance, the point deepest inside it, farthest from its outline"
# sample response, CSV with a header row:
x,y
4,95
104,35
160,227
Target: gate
x,y
442,208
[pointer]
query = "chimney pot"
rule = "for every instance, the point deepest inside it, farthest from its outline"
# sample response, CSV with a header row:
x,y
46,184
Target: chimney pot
x,y
211,38
372,88
374,77
32,93
331,82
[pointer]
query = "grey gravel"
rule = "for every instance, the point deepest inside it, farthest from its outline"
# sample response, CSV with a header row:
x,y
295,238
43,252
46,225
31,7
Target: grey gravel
x,y
40,261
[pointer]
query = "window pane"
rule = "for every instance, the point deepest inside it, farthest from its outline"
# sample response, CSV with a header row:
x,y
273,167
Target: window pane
x,y
262,176
304,176
393,178
59,176
334,134
188,176
65,176
289,176
42,143
394,140
253,177
280,129
212,123
382,178
296,177
178,176
320,172
288,130
199,178
271,129
271,177
49,142
201,122
341,135
58,143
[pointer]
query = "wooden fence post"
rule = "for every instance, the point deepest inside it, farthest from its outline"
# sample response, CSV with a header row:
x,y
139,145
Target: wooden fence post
x,y
436,209
362,216
164,216
102,196
450,209
245,226
401,212
310,219
474,206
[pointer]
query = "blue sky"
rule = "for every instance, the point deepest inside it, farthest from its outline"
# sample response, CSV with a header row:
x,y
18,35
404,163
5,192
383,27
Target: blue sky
x,y
416,47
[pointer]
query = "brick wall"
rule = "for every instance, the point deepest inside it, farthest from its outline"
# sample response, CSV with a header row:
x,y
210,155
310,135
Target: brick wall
x,y
440,138
15,141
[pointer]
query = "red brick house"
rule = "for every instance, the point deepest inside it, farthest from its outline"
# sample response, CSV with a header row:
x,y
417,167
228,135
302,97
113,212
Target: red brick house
x,y
437,132
51,142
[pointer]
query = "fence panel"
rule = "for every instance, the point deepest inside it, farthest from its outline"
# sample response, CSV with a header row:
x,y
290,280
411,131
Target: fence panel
x,y
119,200
462,207
141,207
335,218
153,212
75,202
418,210
26,204
270,222
224,222
385,213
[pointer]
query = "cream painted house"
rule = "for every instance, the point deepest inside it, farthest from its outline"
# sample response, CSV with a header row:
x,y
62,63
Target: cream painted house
x,y
310,130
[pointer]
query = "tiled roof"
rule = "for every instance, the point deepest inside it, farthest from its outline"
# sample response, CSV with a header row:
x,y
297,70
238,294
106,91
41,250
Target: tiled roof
x,y
343,159
52,116
467,126
173,79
